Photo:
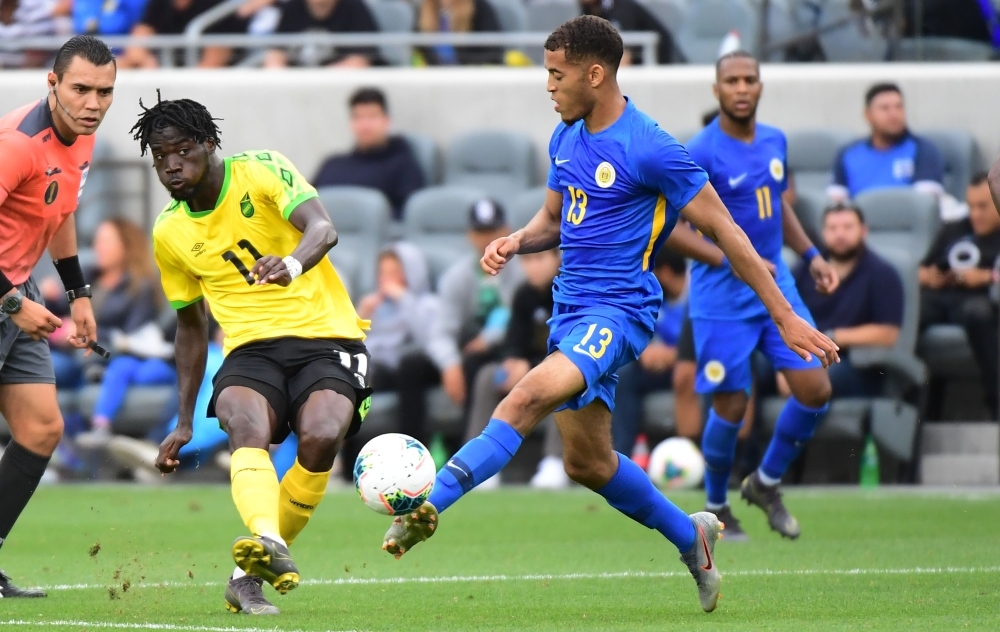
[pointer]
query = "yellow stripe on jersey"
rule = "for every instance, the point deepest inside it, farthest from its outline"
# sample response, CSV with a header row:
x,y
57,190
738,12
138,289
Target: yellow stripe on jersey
x,y
659,219
209,254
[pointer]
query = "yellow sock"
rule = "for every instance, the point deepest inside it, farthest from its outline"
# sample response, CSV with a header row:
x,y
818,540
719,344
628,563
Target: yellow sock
x,y
255,490
301,491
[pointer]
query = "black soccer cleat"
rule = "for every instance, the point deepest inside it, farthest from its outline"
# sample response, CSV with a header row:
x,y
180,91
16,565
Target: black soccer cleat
x,y
734,532
755,492
10,591
263,557
245,595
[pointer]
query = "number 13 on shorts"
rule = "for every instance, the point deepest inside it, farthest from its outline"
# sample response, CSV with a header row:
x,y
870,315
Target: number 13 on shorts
x,y
600,345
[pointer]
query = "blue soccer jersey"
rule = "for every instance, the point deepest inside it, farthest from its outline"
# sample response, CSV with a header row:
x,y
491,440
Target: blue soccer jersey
x,y
622,190
750,178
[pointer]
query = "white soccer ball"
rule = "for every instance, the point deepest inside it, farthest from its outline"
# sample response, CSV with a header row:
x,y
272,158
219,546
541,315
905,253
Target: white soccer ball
x,y
394,474
676,463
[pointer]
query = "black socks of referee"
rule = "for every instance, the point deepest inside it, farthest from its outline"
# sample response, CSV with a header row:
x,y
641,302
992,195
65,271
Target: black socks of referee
x,y
20,471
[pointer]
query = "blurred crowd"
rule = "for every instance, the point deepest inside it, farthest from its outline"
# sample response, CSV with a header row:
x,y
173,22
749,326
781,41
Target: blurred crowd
x,y
962,20
475,336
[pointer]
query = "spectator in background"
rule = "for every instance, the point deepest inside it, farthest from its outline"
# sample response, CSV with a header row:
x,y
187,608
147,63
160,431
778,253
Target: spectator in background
x,y
866,309
401,310
891,156
524,347
324,16
171,17
126,302
378,160
653,370
955,279
975,20
475,306
459,16
630,15
107,17
207,439
32,18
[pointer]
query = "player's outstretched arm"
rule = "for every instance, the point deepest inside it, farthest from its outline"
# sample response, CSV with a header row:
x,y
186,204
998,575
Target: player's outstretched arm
x,y
190,352
541,234
709,215
318,237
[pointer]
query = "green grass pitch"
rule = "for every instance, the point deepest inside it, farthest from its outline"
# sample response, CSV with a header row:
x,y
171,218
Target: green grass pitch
x,y
509,560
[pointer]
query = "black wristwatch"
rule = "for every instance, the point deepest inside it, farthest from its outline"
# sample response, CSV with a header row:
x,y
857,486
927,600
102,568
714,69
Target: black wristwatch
x,y
12,303
80,292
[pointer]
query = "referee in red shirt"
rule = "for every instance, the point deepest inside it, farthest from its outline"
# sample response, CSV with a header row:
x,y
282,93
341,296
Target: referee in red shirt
x,y
45,152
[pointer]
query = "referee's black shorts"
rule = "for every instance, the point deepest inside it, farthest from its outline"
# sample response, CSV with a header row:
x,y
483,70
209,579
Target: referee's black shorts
x,y
287,370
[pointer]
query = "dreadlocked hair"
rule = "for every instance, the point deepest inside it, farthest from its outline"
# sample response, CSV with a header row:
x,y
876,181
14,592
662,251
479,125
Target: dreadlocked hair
x,y
186,115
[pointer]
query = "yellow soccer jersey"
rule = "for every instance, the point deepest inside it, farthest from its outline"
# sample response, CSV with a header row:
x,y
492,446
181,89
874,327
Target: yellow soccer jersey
x,y
209,254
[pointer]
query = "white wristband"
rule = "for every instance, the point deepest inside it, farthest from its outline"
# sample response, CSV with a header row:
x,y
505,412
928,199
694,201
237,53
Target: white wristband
x,y
293,265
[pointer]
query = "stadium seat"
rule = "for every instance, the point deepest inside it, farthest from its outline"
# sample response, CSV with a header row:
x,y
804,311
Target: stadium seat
x,y
809,207
436,220
443,415
143,410
525,206
846,419
425,150
854,41
707,24
670,13
811,154
393,16
780,25
900,218
946,350
658,412
961,157
502,163
361,217
512,15
544,16
97,200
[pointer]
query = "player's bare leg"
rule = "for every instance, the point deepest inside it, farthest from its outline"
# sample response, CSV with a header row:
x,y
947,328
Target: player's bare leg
x,y
533,398
591,461
248,419
811,391
36,426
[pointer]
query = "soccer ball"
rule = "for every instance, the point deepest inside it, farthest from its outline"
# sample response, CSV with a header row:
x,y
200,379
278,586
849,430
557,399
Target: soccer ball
x,y
676,463
394,474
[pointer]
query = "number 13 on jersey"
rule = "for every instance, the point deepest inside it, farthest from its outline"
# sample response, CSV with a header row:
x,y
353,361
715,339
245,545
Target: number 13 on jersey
x,y
577,206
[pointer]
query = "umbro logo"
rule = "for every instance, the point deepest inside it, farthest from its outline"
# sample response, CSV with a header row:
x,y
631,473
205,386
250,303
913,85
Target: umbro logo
x,y
302,505
51,171
47,137
198,248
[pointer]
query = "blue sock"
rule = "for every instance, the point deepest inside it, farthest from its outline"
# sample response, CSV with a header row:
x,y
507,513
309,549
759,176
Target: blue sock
x,y
631,492
718,445
477,461
795,426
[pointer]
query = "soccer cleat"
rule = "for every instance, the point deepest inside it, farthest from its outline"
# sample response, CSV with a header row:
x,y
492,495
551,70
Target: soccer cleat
x,y
734,532
699,558
10,591
263,557
769,499
411,529
245,595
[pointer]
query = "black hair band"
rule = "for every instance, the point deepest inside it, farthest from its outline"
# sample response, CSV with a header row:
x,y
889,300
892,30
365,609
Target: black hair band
x,y
70,272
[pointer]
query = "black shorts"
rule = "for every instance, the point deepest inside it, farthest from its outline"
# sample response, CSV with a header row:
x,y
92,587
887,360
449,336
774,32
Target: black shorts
x,y
685,342
287,370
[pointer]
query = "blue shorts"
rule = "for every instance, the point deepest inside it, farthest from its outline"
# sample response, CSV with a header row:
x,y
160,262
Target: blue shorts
x,y
598,340
723,349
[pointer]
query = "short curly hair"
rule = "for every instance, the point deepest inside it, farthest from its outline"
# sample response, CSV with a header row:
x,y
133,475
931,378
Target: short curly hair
x,y
588,38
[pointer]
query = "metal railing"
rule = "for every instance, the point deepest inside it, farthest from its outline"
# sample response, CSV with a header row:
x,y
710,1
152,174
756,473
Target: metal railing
x,y
647,41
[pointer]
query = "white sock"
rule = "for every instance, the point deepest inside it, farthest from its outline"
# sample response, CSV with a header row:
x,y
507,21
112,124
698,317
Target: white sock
x,y
275,537
714,507
238,573
767,480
